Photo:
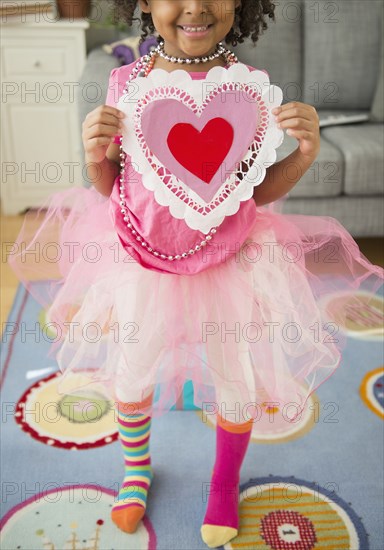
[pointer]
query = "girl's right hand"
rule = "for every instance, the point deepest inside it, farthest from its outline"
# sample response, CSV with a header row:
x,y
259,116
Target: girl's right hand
x,y
99,128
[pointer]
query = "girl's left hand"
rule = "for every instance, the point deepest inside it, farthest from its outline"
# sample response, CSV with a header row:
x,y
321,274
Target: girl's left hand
x,y
302,122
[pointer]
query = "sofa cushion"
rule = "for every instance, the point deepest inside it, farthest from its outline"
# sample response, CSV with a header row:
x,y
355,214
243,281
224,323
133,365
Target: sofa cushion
x,y
377,110
362,148
268,51
341,54
93,84
361,216
324,178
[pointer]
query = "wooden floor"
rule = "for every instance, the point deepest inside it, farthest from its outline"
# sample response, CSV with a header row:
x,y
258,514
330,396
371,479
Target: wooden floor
x,y
9,229
372,248
9,226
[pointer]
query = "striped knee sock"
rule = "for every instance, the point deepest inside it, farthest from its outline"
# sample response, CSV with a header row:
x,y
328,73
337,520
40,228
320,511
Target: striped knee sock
x,y
134,432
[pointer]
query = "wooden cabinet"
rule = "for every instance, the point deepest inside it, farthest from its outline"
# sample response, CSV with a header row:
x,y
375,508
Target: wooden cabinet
x,y
40,146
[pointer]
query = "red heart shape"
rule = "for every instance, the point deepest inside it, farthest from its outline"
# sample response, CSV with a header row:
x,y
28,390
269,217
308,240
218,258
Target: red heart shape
x,y
201,153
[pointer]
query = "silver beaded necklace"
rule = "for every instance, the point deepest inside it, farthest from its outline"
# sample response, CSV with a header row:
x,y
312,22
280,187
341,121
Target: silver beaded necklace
x,y
220,50
141,69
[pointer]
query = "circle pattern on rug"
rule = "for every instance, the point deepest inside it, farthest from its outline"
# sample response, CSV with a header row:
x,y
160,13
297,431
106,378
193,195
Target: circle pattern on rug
x,y
358,314
70,422
372,391
76,517
285,513
273,425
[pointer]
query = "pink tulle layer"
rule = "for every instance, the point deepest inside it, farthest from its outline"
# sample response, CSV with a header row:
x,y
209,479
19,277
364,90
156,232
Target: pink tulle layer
x,y
249,331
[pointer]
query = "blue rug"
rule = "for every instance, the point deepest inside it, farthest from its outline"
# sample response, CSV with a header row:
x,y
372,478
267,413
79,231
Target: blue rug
x,y
315,484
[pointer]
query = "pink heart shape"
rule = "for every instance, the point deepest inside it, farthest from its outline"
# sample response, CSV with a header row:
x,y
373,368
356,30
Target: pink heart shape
x,y
239,110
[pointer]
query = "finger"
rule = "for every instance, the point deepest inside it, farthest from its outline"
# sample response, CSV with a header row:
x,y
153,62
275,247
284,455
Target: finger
x,y
301,134
106,119
107,109
97,142
102,130
295,105
294,113
106,116
296,124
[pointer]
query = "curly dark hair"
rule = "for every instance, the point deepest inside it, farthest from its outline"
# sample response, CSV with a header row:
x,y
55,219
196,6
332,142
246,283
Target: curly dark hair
x,y
250,19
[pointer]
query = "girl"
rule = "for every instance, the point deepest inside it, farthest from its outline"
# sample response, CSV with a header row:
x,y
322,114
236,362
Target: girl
x,y
168,303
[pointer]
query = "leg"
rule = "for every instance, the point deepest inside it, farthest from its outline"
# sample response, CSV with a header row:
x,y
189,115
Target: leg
x,y
221,520
134,433
134,419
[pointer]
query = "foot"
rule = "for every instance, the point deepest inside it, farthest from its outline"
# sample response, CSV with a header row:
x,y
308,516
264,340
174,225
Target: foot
x,y
217,535
221,520
131,505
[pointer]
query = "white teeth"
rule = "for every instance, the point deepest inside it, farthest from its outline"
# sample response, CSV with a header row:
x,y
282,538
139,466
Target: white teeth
x,y
195,29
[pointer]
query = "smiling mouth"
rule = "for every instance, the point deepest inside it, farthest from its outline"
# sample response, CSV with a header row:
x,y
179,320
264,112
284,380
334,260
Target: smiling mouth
x,y
195,28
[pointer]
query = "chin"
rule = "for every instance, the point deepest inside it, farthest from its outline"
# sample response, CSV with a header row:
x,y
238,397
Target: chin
x,y
199,49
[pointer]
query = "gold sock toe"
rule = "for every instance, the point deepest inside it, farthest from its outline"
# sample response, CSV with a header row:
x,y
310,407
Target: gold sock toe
x,y
217,535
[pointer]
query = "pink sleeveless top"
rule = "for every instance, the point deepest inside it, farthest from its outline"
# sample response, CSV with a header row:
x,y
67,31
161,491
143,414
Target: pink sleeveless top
x,y
155,224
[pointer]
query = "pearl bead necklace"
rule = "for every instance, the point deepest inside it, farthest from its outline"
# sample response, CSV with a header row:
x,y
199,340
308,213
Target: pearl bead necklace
x,y
145,63
220,50
142,68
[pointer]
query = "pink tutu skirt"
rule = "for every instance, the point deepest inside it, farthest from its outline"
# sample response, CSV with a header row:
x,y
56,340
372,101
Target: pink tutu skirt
x,y
266,327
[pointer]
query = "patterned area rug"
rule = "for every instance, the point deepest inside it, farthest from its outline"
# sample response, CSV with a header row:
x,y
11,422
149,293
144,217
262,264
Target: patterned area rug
x,y
314,484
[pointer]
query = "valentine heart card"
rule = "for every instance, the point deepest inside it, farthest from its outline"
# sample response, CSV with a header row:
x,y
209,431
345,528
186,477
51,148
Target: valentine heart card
x,y
201,146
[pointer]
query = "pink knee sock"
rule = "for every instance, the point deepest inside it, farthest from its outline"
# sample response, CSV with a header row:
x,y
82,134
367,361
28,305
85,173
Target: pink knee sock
x,y
221,520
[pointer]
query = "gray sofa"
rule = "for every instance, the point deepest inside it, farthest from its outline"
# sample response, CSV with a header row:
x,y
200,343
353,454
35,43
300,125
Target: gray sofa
x,y
330,55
